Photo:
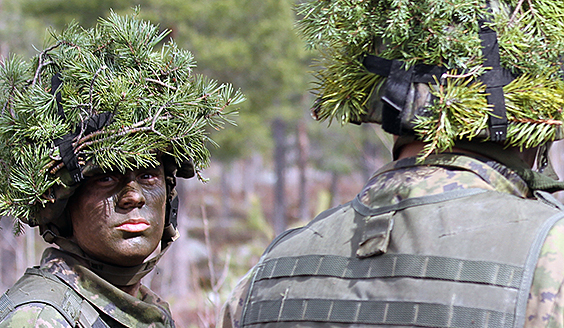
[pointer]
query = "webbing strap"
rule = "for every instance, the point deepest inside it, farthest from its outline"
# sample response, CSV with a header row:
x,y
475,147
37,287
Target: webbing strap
x,y
393,266
6,306
71,305
67,308
92,124
66,148
375,312
399,80
364,210
495,79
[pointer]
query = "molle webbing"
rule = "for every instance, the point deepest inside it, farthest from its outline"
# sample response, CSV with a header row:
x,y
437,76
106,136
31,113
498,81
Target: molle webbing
x,y
374,313
393,266
349,290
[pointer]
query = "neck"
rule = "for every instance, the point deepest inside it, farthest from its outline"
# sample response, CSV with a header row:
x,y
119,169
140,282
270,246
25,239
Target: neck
x,y
132,290
414,149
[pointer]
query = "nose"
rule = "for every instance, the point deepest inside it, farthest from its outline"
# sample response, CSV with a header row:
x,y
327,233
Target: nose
x,y
131,196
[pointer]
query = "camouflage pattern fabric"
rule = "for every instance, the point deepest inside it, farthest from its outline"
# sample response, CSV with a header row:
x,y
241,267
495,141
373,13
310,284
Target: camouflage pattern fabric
x,y
445,172
116,308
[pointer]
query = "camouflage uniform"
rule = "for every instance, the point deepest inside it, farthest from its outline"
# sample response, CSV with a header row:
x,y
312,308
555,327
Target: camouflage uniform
x,y
115,307
406,179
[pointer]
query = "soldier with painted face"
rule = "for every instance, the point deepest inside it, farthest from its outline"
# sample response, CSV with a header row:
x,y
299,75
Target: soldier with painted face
x,y
94,132
460,230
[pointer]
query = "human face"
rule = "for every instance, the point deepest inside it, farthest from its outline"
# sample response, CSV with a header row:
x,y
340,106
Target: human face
x,y
118,218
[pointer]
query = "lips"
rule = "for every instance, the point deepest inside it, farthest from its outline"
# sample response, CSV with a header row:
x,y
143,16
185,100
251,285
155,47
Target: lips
x,y
134,225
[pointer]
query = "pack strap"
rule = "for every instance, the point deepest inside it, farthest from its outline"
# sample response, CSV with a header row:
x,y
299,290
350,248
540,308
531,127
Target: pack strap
x,y
62,298
375,313
393,266
364,210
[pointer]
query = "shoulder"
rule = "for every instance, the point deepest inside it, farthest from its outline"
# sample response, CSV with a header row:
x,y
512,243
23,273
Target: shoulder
x,y
230,315
35,315
545,306
38,300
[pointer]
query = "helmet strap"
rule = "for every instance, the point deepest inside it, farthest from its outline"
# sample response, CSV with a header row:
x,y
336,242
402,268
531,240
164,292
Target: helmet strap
x,y
395,116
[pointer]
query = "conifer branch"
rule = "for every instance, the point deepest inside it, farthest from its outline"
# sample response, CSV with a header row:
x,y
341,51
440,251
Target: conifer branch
x,y
161,83
41,63
441,33
91,103
157,105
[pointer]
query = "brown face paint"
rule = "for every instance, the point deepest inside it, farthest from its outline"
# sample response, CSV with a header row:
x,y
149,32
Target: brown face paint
x,y
118,218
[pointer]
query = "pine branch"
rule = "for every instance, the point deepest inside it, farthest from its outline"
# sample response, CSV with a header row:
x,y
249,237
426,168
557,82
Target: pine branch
x,y
158,106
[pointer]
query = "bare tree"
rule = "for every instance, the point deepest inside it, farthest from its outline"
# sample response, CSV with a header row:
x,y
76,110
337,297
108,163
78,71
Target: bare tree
x,y
280,221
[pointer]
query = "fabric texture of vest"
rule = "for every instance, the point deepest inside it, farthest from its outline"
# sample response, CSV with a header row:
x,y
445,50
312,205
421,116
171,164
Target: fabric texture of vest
x,y
463,258
37,286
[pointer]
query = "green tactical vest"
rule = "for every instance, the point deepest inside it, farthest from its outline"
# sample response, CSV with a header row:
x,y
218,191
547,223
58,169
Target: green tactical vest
x,y
37,286
463,258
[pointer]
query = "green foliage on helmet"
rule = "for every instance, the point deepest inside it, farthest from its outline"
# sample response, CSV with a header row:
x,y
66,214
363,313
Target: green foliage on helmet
x,y
155,102
446,34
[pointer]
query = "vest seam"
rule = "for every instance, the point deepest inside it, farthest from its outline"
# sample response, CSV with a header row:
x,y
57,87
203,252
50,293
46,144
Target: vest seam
x,y
530,266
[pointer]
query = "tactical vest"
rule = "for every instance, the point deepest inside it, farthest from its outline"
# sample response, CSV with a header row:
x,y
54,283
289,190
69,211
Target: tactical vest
x,y
37,286
464,258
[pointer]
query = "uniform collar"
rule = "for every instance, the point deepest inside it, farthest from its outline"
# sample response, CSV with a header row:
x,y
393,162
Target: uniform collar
x,y
145,310
498,176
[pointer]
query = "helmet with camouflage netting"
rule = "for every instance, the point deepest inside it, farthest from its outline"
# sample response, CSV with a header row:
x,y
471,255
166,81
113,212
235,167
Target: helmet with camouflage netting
x,y
103,98
441,71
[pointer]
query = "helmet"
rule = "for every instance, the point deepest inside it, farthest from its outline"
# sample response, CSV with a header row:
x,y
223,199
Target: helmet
x,y
101,98
441,71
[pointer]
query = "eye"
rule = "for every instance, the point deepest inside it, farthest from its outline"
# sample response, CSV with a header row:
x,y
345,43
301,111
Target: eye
x,y
148,177
106,180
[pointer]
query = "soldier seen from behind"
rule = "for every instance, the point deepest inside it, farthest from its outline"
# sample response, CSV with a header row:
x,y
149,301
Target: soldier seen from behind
x,y
460,230
94,132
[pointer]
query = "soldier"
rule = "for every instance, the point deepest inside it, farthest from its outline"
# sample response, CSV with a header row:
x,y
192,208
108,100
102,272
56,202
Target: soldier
x,y
458,231
93,135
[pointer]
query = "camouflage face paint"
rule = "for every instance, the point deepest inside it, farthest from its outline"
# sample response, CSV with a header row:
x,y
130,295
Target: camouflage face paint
x,y
118,218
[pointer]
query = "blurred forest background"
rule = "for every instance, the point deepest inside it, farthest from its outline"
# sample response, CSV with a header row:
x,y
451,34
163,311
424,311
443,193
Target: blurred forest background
x,y
275,170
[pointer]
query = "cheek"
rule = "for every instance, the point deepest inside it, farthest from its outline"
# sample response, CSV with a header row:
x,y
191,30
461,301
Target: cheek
x,y
89,217
156,203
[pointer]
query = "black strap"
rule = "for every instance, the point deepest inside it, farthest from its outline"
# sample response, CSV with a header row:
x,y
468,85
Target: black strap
x,y
55,84
399,81
397,86
66,148
94,123
495,79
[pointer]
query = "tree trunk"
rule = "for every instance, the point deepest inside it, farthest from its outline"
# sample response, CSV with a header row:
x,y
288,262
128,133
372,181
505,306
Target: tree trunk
x,y
334,189
279,219
370,152
30,247
303,155
225,191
